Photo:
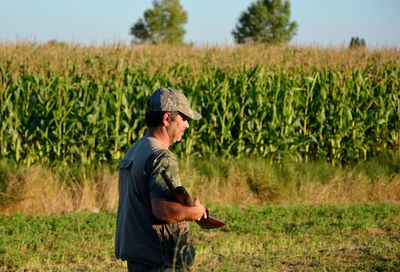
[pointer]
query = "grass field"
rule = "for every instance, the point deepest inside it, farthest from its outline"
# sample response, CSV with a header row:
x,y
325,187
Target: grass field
x,y
359,237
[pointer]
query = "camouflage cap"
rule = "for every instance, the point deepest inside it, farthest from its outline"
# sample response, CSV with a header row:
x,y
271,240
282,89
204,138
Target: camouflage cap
x,y
168,99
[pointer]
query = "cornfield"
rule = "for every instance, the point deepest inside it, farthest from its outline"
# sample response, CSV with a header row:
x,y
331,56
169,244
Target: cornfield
x,y
65,105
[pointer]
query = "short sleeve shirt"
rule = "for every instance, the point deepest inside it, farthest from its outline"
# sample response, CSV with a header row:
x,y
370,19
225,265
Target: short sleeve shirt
x,y
163,160
140,236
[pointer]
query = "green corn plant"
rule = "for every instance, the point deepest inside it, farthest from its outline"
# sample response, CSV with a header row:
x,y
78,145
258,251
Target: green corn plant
x,y
90,110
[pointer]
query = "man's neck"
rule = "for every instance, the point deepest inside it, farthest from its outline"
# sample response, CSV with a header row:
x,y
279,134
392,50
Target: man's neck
x,y
160,134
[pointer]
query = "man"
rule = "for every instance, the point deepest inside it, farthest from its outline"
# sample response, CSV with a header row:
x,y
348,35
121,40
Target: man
x,y
152,231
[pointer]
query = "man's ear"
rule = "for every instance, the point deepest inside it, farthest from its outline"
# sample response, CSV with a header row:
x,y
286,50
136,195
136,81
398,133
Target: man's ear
x,y
166,118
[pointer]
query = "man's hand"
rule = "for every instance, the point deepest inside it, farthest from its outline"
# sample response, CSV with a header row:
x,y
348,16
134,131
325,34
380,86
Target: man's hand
x,y
202,210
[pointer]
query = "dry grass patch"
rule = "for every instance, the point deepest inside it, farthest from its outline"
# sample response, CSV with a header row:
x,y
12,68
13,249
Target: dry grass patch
x,y
244,182
348,188
42,191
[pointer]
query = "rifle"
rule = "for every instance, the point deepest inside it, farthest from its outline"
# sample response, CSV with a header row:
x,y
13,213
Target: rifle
x,y
183,197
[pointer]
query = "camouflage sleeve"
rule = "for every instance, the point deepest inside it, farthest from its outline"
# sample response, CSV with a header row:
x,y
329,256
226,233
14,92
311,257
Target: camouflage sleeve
x,y
165,160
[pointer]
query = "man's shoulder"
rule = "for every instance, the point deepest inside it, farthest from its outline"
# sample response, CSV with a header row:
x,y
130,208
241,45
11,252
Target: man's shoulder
x,y
163,157
147,146
152,152
152,144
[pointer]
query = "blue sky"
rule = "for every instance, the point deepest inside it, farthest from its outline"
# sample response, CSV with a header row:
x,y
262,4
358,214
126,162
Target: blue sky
x,y
321,22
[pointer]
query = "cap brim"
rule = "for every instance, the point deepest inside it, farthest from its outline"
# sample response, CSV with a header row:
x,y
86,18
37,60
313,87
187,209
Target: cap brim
x,y
192,114
196,115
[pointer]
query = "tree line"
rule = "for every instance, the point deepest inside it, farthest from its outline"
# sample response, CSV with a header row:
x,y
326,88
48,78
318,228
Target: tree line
x,y
265,21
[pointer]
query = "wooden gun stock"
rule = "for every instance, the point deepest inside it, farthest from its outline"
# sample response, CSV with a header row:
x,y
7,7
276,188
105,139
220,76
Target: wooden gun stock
x,y
182,195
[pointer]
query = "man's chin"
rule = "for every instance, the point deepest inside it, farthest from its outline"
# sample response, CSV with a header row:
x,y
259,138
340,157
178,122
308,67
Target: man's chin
x,y
178,139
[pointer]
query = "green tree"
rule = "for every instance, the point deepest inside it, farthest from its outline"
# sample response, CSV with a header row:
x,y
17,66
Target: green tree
x,y
265,21
357,42
161,24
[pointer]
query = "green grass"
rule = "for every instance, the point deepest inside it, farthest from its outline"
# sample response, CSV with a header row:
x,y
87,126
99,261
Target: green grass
x,y
362,237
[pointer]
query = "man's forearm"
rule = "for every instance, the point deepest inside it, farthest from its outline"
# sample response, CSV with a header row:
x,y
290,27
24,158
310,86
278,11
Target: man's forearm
x,y
173,212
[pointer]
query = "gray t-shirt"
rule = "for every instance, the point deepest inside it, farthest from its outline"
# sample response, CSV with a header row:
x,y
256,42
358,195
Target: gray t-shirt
x,y
140,236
